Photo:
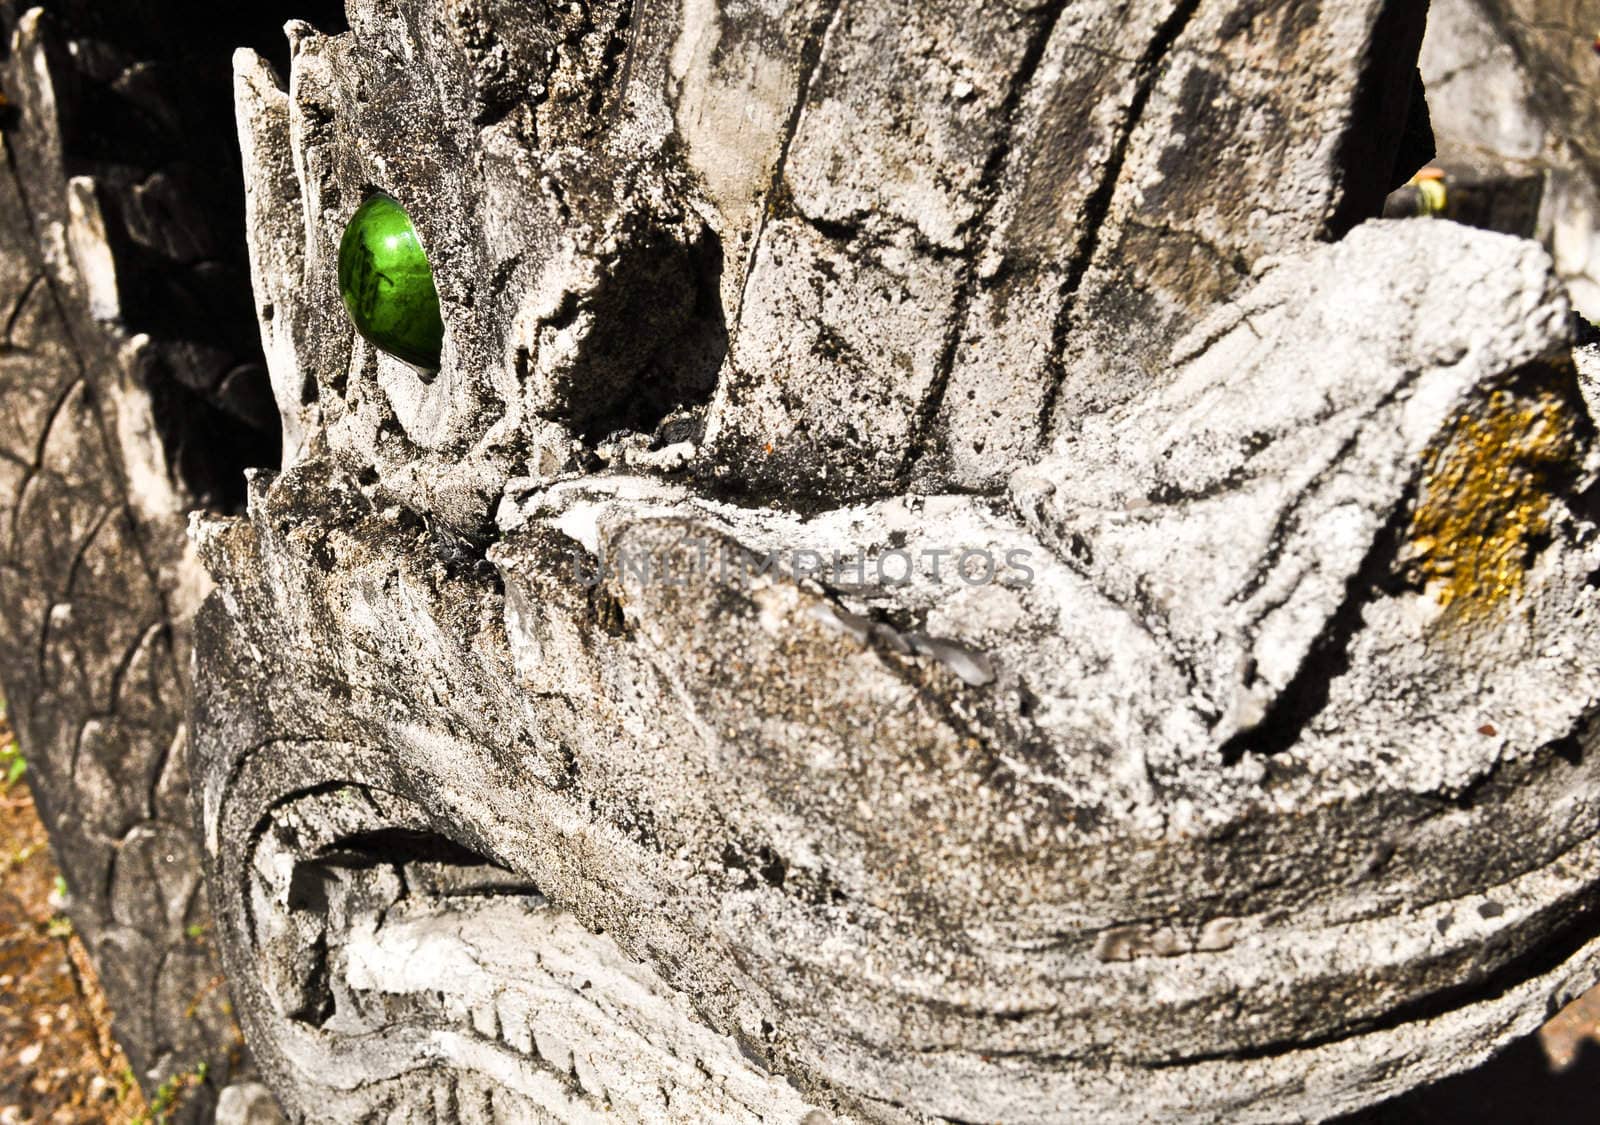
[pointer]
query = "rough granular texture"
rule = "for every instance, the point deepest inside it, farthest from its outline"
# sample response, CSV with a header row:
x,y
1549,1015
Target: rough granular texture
x,y
1219,814
1488,489
1260,788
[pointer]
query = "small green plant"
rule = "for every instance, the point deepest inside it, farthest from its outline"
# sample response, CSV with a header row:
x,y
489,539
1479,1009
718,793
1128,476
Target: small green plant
x,y
126,1083
60,926
12,765
195,931
170,1093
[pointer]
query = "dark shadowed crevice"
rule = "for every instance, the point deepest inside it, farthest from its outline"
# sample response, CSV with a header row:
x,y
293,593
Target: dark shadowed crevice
x,y
1383,132
1306,694
1416,147
368,877
1097,208
1010,112
200,33
146,111
681,371
773,200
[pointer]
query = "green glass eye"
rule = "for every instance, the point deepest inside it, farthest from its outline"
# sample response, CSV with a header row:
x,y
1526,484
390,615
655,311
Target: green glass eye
x,y
387,284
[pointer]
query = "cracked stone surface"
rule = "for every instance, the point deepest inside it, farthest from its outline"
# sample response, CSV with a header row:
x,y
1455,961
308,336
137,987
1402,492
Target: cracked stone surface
x,y
1254,782
950,570
132,391
796,807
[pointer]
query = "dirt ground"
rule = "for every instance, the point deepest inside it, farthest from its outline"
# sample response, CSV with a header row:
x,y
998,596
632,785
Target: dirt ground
x,y
58,1062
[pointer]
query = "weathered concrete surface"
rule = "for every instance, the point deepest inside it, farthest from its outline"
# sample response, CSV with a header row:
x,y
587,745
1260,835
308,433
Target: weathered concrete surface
x,y
131,388
1001,195
883,876
1261,789
1255,784
1511,89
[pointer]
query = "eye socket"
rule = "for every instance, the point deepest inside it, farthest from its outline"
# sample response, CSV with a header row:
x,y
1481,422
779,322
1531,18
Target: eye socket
x,y
387,284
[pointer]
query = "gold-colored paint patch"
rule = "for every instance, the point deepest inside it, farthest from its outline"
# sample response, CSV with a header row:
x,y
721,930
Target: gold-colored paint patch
x,y
1488,486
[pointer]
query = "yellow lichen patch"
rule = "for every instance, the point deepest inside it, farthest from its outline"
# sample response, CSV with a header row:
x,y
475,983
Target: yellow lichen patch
x,y
1488,486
